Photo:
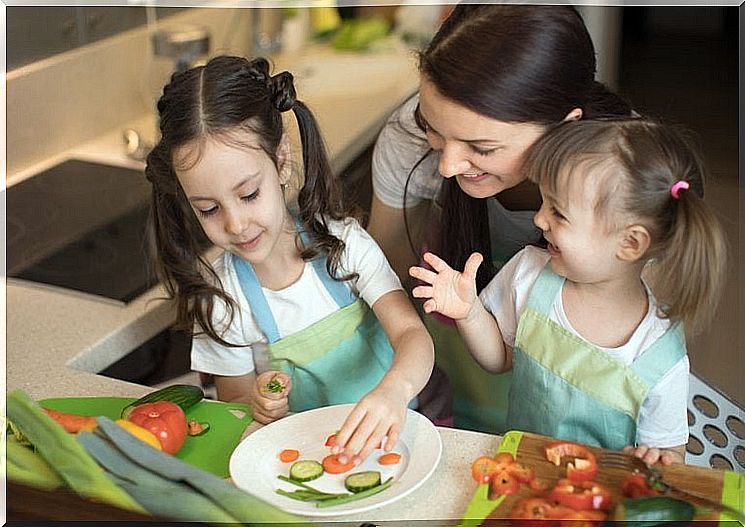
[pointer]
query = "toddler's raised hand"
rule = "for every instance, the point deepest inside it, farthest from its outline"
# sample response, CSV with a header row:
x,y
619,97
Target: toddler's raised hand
x,y
269,396
451,293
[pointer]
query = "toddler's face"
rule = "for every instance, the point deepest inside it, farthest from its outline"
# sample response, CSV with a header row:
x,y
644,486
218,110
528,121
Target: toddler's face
x,y
582,245
484,155
235,192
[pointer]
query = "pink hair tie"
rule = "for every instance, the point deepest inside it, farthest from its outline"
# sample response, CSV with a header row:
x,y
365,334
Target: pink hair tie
x,y
677,187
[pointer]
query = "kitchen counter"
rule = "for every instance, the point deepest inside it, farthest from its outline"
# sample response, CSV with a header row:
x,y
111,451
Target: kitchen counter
x,y
56,339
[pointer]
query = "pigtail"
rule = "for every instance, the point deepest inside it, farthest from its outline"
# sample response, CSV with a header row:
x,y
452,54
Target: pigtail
x,y
174,233
321,196
692,268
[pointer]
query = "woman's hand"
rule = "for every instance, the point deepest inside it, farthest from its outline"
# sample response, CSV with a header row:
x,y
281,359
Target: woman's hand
x,y
380,413
651,455
451,293
269,396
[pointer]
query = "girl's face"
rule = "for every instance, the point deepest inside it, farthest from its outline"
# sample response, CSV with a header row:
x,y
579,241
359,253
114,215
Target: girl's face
x,y
582,245
484,155
235,192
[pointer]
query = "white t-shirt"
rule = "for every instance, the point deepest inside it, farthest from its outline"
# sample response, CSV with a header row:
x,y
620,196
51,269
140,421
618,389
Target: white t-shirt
x,y
663,420
294,308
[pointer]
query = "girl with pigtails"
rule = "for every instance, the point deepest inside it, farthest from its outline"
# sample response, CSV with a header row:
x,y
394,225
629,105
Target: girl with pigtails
x,y
598,355
310,284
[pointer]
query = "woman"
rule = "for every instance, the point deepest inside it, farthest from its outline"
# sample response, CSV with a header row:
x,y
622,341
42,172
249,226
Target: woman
x,y
447,168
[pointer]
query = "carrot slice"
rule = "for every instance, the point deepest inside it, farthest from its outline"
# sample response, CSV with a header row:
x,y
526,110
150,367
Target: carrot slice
x,y
390,458
289,455
330,440
332,466
72,423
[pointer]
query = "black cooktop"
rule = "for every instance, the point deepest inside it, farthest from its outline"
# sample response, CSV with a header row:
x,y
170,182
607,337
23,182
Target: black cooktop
x,y
81,226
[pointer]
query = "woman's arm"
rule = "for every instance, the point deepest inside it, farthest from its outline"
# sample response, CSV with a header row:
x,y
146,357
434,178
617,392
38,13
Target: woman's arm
x,y
383,410
388,228
454,295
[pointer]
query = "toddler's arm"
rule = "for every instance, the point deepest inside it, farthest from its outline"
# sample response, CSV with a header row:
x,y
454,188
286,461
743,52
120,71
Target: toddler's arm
x,y
651,455
382,411
454,295
267,394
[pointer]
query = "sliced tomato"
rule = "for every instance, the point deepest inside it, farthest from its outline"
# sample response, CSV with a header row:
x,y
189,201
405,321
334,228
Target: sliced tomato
x,y
332,465
636,486
583,468
522,473
503,483
531,512
583,496
483,469
390,458
504,460
289,455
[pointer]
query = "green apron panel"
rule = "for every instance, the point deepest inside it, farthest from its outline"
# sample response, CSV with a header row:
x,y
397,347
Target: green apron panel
x,y
334,367
567,388
479,397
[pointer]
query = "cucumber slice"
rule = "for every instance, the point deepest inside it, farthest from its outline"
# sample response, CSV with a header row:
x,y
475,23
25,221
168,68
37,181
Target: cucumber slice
x,y
306,470
360,481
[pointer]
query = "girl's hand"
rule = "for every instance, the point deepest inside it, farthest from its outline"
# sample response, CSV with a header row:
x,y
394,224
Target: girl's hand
x,y
651,455
269,396
380,413
451,293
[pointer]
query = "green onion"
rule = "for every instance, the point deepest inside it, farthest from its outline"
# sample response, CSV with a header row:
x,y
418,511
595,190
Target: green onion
x,y
358,496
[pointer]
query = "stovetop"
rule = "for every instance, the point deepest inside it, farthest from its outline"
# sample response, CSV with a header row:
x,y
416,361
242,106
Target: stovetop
x,y
81,226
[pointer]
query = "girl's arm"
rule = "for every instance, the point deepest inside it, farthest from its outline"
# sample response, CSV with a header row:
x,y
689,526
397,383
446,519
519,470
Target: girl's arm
x,y
454,295
383,410
267,405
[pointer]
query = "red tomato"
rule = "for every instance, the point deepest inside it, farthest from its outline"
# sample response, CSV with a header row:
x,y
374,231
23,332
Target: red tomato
x,y
166,420
332,466
531,512
584,467
483,469
587,495
521,473
503,483
636,486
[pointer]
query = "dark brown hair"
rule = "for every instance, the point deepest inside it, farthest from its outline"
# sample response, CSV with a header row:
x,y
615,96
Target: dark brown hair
x,y
513,63
645,158
226,95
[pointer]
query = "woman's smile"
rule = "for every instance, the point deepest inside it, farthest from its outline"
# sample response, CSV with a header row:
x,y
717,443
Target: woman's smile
x,y
249,244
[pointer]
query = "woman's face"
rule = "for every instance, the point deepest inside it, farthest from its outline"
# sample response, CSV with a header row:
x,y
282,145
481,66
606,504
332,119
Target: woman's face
x,y
484,155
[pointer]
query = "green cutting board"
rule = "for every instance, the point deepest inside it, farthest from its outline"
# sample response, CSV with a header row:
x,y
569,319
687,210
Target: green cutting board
x,y
210,451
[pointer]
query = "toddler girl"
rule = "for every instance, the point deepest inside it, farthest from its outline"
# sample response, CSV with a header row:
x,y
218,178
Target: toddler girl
x,y
596,357
304,283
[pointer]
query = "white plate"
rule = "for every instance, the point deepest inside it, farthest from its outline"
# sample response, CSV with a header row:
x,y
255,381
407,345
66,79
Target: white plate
x,y
255,465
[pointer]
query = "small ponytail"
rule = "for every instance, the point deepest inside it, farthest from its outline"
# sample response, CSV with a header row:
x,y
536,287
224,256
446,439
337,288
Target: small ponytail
x,y
320,197
692,264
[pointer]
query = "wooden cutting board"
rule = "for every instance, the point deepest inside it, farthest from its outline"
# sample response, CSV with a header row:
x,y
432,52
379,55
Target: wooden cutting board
x,y
528,449
210,451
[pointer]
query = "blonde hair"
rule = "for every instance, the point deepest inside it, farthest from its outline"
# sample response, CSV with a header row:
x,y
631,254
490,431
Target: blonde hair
x,y
641,160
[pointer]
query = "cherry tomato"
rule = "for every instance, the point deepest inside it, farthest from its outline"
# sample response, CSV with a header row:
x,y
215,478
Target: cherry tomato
x,y
483,469
166,420
635,486
502,484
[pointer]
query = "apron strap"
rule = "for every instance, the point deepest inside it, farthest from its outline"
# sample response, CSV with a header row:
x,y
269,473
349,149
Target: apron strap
x,y
545,289
255,296
662,355
339,291
251,287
